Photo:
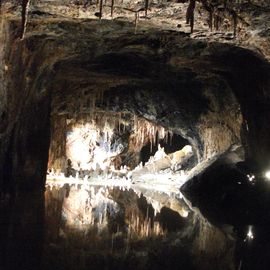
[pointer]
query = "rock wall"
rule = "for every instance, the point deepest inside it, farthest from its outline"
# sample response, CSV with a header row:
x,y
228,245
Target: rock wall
x,y
195,89
4,43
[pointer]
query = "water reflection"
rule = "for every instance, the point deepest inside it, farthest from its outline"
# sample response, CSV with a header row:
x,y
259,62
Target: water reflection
x,y
128,228
111,210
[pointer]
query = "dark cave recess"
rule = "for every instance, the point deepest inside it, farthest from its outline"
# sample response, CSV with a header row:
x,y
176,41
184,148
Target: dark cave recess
x,y
170,145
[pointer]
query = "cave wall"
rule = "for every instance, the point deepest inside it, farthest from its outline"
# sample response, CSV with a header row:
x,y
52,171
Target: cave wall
x,y
215,95
147,74
191,109
24,141
112,69
57,150
27,134
3,91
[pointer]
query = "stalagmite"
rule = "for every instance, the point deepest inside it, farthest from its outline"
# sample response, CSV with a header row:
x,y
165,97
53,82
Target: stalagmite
x,y
190,14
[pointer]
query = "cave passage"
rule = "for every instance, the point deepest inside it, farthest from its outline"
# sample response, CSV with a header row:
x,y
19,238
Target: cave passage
x,y
172,144
117,146
112,190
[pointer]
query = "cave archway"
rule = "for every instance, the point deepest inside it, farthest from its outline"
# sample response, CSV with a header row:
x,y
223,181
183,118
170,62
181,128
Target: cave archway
x,y
191,88
215,110
143,76
203,110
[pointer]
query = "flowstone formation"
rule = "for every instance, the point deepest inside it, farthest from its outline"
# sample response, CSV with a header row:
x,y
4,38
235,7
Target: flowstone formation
x,y
110,147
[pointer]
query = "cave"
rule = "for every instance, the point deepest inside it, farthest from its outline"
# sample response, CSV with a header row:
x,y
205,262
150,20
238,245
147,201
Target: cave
x,y
170,145
134,134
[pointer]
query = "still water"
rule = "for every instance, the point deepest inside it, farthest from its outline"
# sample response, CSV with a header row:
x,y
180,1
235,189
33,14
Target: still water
x,y
103,227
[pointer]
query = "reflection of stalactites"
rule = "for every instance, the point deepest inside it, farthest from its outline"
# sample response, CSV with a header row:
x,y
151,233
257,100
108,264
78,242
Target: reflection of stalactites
x,y
86,208
143,227
100,218
99,96
157,229
93,103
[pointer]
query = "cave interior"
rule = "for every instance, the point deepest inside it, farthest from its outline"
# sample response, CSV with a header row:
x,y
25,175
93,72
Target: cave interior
x,y
134,134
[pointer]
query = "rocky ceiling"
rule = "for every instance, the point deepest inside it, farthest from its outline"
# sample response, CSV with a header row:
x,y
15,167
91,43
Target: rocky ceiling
x,y
69,63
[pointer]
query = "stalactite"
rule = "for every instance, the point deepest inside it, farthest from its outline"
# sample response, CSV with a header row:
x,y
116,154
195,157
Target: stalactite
x,y
136,22
219,12
119,123
112,6
146,7
209,8
124,128
100,9
147,132
190,14
25,7
171,136
235,20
